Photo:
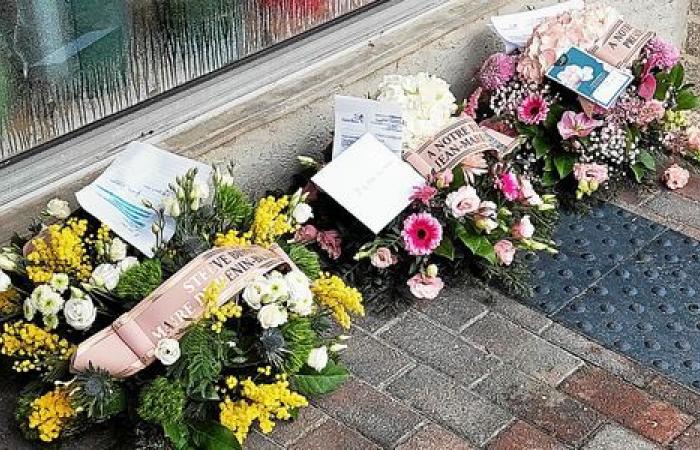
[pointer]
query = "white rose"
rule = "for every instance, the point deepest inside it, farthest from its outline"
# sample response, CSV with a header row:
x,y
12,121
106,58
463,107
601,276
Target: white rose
x,y
117,250
60,209
5,282
29,308
127,263
168,351
80,313
9,260
106,276
302,213
318,358
46,300
272,316
59,282
254,294
171,206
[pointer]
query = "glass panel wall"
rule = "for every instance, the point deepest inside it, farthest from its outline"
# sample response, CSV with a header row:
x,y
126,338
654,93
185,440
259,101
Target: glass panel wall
x,y
67,63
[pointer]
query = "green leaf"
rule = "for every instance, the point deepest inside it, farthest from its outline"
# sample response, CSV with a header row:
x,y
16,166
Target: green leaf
x,y
233,206
685,100
526,130
549,178
478,244
639,171
446,249
213,436
458,178
647,160
564,162
662,86
311,382
554,116
178,434
541,146
676,75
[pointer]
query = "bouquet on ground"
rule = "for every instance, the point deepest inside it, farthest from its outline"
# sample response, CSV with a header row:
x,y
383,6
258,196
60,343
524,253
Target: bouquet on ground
x,y
477,215
577,145
250,358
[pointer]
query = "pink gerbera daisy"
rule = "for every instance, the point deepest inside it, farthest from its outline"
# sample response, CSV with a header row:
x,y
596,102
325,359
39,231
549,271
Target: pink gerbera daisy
x,y
423,194
533,109
421,234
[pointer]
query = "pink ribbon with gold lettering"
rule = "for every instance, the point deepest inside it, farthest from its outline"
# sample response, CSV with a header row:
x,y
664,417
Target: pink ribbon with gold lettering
x,y
128,345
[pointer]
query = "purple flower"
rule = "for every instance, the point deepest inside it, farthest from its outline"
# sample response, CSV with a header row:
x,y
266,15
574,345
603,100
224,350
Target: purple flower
x,y
579,125
662,54
496,71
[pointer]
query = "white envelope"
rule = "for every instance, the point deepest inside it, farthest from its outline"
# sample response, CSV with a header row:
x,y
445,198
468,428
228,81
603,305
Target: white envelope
x,y
370,182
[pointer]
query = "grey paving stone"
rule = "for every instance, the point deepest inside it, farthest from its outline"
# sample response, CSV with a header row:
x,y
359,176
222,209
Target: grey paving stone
x,y
373,361
614,437
372,413
456,306
333,435
541,405
375,319
439,349
450,404
598,355
675,207
434,437
524,316
286,432
527,351
257,441
693,39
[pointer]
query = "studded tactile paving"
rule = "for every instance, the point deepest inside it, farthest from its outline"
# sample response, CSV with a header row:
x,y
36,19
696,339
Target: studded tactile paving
x,y
628,283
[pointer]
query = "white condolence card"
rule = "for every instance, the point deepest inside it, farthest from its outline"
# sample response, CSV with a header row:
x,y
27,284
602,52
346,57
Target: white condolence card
x,y
141,172
354,117
370,182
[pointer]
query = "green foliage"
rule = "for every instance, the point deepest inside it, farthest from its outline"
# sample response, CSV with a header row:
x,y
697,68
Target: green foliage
x,y
99,395
213,436
564,162
446,249
233,207
311,383
306,260
139,281
685,99
300,339
162,402
22,412
203,354
478,244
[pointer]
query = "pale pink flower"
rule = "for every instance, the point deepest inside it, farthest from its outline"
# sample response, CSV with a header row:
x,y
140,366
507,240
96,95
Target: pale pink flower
x,y
650,111
529,196
523,229
474,165
423,286
463,201
331,242
307,233
591,172
505,251
533,109
472,104
676,177
579,125
662,53
693,136
497,70
530,70
423,194
383,258
486,217
421,234
509,186
444,179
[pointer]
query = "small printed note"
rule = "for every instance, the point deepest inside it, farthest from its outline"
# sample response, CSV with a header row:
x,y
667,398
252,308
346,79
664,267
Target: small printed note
x,y
355,117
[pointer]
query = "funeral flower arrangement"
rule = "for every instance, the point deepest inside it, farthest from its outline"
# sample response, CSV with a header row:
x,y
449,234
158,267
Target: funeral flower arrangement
x,y
580,148
478,215
249,360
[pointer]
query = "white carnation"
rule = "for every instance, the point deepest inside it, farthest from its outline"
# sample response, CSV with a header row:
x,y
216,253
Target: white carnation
x,y
106,276
256,292
117,250
302,213
60,209
272,316
59,282
168,351
47,301
80,313
318,358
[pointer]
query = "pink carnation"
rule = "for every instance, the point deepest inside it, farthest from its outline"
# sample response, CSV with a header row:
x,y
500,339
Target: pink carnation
x,y
662,54
505,252
383,258
423,194
591,172
423,286
497,70
533,109
523,229
331,242
509,185
693,137
472,104
676,177
421,234
650,111
579,125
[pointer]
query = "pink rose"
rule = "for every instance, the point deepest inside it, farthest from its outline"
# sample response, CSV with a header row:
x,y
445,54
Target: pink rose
x,y
505,251
647,87
307,233
591,172
693,136
579,125
676,177
523,229
383,258
463,201
423,286
330,242
508,183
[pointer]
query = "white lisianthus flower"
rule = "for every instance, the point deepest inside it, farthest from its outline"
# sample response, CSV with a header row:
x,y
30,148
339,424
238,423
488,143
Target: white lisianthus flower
x,y
302,213
5,282
168,351
47,301
223,178
59,282
272,316
117,250
335,348
127,263
256,292
29,308
171,206
60,209
80,313
8,260
51,321
318,358
200,190
105,276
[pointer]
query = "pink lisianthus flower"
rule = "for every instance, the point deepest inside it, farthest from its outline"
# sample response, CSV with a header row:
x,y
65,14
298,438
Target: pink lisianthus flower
x,y
529,196
579,125
692,134
307,233
523,229
383,258
497,70
533,110
463,201
591,172
509,186
486,217
423,194
676,177
505,251
331,242
647,86
423,286
472,104
421,234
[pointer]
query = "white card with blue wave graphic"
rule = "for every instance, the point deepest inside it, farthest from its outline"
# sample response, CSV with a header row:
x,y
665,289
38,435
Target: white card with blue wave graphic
x,y
590,77
141,172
